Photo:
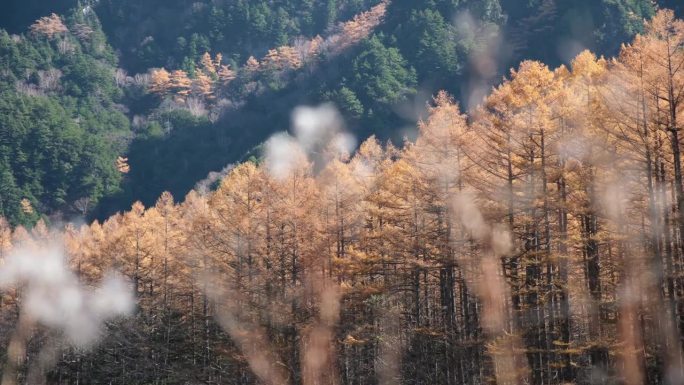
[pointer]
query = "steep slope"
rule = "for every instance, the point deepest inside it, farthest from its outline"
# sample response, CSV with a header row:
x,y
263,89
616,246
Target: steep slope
x,y
175,33
61,127
381,85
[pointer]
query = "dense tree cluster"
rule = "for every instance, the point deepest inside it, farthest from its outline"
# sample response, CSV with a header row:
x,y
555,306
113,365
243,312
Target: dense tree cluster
x,y
419,48
148,35
61,126
211,74
49,26
537,240
198,121
240,29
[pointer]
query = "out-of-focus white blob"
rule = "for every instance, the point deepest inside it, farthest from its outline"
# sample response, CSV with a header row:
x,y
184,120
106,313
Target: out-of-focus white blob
x,y
574,147
470,215
54,297
497,237
319,136
487,53
344,143
283,155
614,200
113,297
362,170
465,24
502,243
316,126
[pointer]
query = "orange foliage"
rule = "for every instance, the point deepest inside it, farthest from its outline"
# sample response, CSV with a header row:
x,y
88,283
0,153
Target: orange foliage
x,y
49,26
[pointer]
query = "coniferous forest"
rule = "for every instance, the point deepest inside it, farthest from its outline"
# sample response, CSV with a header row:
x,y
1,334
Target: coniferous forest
x,y
342,192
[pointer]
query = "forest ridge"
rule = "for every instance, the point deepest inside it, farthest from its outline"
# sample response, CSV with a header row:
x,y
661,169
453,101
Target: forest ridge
x,y
178,90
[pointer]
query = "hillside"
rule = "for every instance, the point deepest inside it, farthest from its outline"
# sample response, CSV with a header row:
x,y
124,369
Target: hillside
x,y
380,82
62,120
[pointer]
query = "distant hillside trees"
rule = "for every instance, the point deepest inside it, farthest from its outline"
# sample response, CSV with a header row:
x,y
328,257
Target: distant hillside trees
x,y
61,127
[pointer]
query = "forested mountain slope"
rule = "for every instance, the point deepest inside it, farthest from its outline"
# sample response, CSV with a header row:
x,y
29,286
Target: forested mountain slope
x,y
533,240
62,124
380,82
176,33
380,85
